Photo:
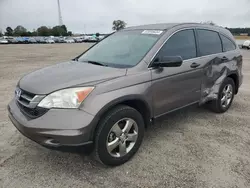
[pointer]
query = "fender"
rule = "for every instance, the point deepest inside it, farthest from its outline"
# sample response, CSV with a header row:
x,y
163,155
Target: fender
x,y
117,101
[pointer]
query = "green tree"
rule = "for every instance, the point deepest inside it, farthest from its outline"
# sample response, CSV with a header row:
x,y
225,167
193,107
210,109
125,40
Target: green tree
x,y
118,25
97,34
20,31
238,31
41,31
9,31
34,33
1,34
58,31
28,34
69,33
64,28
44,31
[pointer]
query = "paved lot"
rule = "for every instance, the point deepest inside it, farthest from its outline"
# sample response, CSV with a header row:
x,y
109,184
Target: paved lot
x,y
191,148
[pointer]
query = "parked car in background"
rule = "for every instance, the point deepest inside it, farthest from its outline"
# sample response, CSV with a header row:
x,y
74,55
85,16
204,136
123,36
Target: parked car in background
x,y
3,41
49,41
69,40
108,95
20,40
246,44
38,39
32,40
101,37
78,39
93,39
86,38
41,40
56,39
26,40
61,40
12,40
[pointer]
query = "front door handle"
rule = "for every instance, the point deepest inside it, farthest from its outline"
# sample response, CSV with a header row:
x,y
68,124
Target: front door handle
x,y
224,58
194,65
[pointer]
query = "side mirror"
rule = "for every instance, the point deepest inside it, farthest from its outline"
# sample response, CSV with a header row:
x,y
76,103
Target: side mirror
x,y
168,61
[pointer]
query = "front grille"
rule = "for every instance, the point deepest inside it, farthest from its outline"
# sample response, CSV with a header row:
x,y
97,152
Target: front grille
x,y
27,102
32,112
25,97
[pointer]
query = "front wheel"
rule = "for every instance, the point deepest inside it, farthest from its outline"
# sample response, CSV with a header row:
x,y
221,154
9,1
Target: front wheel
x,y
119,135
225,96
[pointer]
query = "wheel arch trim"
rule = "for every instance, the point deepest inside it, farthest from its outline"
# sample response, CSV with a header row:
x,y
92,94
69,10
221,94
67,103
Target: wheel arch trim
x,y
117,101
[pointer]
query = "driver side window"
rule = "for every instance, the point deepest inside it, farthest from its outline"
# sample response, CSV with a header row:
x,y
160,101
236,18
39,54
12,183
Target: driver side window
x,y
181,44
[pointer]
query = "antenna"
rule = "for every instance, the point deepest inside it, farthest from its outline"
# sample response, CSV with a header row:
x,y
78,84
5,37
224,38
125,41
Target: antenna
x,y
59,13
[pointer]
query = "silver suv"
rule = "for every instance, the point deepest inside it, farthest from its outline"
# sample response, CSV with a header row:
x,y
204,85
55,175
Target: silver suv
x,y
109,94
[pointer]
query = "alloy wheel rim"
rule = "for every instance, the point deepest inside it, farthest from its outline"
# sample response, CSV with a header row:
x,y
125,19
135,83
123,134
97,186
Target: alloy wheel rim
x,y
122,137
227,94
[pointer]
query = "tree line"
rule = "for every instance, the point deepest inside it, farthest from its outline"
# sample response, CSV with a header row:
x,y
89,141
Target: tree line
x,y
41,31
62,30
238,31
54,31
234,31
47,31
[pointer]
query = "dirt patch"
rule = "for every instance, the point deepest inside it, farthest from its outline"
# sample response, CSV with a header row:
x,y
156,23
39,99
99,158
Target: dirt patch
x,y
190,148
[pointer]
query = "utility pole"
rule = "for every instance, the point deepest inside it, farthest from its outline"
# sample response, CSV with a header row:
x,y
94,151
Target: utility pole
x,y
59,13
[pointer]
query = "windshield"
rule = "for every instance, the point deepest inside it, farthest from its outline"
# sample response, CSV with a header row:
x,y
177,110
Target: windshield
x,y
122,49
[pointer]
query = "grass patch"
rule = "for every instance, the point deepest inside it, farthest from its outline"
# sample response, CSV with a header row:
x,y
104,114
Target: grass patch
x,y
242,37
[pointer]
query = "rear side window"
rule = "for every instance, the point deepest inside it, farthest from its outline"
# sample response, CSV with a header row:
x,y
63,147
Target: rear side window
x,y
228,45
209,42
180,44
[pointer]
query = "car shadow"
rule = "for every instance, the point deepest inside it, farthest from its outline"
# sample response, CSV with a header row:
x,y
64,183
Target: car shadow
x,y
173,122
81,165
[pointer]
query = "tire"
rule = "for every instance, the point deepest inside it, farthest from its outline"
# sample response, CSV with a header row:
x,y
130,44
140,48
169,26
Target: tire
x,y
217,105
119,115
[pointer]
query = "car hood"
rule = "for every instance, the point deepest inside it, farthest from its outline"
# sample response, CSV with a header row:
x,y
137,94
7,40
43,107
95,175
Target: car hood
x,y
69,74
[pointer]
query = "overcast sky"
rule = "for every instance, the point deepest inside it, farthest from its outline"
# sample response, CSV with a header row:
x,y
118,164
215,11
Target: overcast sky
x,y
98,15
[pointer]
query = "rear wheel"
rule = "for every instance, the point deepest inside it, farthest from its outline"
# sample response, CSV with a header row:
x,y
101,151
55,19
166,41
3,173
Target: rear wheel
x,y
119,135
225,96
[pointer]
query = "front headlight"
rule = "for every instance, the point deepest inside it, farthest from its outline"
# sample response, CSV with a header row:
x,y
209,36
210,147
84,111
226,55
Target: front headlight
x,y
66,98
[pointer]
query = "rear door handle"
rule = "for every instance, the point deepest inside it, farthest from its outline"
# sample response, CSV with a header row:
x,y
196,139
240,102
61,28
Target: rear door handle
x,y
194,65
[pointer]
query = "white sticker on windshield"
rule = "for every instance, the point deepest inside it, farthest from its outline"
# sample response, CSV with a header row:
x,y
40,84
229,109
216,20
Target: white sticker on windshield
x,y
152,32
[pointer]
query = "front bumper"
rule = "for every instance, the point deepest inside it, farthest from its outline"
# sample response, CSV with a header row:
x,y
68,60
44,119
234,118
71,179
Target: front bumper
x,y
245,46
56,128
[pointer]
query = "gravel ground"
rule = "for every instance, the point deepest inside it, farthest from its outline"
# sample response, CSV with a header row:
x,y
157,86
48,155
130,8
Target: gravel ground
x,y
191,148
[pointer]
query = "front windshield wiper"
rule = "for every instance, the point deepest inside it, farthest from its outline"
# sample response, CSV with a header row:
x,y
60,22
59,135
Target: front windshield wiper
x,y
96,63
